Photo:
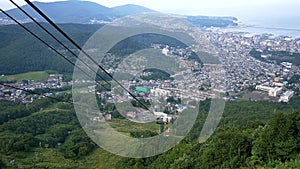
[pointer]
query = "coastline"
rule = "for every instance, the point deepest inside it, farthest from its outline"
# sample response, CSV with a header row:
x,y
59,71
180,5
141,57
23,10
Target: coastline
x,y
251,30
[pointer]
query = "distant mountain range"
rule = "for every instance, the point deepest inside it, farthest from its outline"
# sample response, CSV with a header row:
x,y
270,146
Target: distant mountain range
x,y
85,12
77,12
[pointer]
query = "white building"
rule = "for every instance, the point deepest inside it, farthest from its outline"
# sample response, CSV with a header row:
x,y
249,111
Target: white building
x,y
287,64
286,96
160,92
163,116
165,51
263,88
272,91
275,91
278,84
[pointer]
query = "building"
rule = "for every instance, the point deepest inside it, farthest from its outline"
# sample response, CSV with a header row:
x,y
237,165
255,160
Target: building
x,y
276,80
263,88
275,91
160,92
165,51
131,114
265,56
108,117
286,96
278,84
142,89
272,91
163,116
287,64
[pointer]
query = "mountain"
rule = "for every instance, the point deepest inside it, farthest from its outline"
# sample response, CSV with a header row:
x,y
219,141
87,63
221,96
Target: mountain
x,y
85,12
76,12
208,21
20,52
130,10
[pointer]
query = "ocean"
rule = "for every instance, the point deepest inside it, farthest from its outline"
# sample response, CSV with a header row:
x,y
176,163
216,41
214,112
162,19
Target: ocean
x,y
258,30
278,27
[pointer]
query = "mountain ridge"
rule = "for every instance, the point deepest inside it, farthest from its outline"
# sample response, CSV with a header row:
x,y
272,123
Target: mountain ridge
x,y
68,12
94,13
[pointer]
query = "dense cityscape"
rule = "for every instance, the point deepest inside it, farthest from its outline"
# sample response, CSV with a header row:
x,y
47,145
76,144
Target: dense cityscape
x,y
243,72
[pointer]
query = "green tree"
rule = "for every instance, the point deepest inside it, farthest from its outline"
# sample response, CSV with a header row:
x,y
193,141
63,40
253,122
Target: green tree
x,y
279,139
2,164
229,148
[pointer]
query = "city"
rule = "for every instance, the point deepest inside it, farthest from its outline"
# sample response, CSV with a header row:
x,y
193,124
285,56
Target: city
x,y
101,84
242,71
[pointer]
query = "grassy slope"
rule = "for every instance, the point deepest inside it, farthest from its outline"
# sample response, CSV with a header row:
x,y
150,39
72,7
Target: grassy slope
x,y
40,76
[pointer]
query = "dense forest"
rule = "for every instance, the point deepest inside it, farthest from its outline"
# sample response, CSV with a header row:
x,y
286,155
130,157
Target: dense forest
x,y
21,52
47,134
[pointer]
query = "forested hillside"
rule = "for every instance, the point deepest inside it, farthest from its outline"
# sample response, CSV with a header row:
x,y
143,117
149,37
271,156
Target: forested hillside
x,y
21,52
47,134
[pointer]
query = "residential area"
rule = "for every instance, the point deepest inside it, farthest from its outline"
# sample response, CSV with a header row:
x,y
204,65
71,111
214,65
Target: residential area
x,y
17,93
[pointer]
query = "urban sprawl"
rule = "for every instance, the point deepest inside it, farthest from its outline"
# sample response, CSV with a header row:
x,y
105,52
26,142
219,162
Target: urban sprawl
x,y
239,75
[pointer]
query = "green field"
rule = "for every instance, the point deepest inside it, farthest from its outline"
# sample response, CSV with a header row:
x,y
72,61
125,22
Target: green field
x,y
125,126
40,76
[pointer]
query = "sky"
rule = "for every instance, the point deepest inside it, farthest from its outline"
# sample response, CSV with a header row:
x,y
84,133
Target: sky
x,y
249,11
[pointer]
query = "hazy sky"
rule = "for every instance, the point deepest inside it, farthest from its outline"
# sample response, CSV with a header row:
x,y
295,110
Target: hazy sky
x,y
246,10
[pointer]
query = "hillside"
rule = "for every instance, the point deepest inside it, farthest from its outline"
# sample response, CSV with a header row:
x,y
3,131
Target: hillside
x,y
20,52
41,76
207,21
129,10
77,12
86,12
54,138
